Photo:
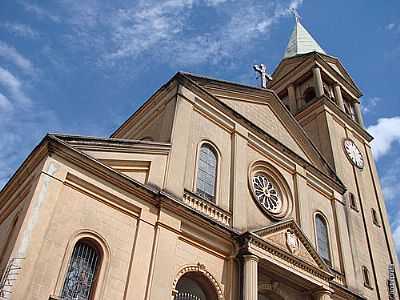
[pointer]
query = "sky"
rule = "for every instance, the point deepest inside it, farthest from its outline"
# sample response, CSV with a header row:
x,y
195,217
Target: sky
x,y
83,67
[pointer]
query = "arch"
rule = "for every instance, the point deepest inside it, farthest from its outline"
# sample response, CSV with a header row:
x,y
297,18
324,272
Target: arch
x,y
203,278
99,244
322,237
207,170
309,94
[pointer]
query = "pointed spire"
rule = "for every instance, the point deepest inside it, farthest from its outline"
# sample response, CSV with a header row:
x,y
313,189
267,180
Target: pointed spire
x,y
301,41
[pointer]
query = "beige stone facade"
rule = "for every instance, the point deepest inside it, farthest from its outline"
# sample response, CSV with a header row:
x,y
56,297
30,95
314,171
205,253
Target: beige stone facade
x,y
135,199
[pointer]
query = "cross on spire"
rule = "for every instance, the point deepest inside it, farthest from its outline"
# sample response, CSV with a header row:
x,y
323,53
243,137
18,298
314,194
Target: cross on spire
x,y
295,14
261,70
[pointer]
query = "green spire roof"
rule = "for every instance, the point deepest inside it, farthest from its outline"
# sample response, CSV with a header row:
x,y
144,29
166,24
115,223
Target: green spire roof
x,y
301,42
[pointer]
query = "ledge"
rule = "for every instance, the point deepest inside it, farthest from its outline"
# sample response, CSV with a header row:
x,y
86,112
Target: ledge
x,y
206,207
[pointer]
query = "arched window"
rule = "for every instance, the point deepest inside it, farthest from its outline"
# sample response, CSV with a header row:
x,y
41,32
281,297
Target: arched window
x,y
321,228
207,172
82,271
309,94
194,286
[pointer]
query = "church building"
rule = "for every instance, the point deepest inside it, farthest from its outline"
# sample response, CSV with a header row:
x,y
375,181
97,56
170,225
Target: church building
x,y
211,190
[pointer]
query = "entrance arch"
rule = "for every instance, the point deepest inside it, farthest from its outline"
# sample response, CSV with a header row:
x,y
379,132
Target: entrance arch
x,y
196,283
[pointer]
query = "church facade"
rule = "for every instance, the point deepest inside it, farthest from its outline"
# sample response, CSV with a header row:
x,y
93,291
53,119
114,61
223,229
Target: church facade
x,y
212,190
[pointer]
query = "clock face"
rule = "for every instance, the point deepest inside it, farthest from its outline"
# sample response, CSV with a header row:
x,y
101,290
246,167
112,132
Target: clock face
x,y
266,194
353,153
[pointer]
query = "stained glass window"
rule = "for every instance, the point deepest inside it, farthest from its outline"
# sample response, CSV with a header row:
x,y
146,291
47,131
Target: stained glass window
x,y
322,238
207,172
81,273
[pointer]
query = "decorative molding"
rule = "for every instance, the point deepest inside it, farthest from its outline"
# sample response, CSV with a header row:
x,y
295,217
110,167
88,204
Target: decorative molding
x,y
206,207
260,240
199,268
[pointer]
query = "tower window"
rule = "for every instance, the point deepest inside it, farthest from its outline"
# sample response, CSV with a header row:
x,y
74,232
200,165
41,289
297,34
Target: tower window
x,y
375,217
322,237
352,200
82,271
367,281
349,108
309,95
207,172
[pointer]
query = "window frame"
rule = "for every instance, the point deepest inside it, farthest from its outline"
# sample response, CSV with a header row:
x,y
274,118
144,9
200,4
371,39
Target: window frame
x,y
214,149
366,277
97,251
325,220
103,249
352,201
375,218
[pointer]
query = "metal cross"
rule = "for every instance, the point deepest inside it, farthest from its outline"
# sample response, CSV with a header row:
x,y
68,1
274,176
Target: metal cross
x,y
295,14
261,69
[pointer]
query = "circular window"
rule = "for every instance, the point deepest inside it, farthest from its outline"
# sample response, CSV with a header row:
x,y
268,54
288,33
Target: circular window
x,y
270,190
266,193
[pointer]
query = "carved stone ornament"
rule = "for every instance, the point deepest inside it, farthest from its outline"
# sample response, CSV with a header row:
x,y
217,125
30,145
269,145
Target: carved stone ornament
x,y
292,242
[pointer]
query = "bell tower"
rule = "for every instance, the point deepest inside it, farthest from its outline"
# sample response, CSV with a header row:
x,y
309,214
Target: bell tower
x,y
324,99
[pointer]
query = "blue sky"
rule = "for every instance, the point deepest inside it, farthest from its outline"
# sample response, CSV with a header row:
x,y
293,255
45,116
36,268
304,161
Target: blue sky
x,y
82,67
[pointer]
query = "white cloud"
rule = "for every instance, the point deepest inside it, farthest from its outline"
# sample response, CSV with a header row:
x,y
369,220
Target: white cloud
x,y
390,26
22,30
5,103
14,87
386,132
40,12
165,29
396,237
369,104
11,54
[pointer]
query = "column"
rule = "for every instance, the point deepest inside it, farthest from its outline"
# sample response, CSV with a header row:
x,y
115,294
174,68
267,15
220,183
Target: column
x,y
338,96
322,295
357,110
292,99
250,277
319,88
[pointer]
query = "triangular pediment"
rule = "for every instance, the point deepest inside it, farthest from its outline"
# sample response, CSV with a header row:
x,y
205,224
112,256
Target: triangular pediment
x,y
287,236
263,108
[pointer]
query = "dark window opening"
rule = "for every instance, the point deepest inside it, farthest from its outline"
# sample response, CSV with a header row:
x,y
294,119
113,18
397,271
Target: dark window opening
x,y
375,217
309,95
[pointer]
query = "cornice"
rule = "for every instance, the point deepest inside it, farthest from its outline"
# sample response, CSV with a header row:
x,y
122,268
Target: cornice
x,y
277,252
115,145
324,101
24,171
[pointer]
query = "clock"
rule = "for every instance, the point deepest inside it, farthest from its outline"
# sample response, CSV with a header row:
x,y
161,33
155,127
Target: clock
x,y
353,153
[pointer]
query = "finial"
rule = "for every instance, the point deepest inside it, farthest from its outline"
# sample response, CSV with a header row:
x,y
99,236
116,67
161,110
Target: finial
x,y
295,14
261,69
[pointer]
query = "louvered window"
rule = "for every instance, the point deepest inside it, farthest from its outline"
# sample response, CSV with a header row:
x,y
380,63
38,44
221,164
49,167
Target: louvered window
x,y
207,172
79,281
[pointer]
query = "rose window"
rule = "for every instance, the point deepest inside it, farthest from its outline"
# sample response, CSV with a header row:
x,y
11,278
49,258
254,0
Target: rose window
x,y
266,194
